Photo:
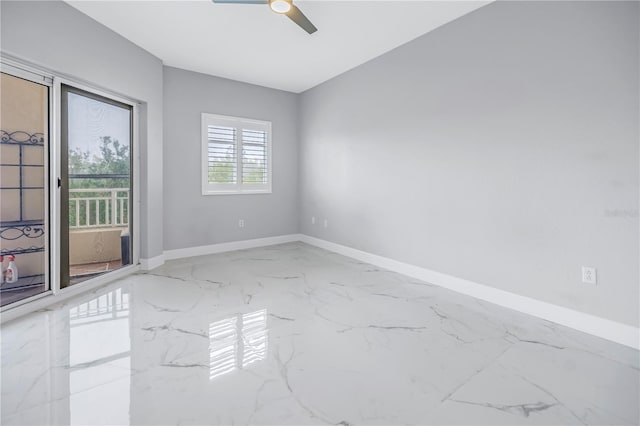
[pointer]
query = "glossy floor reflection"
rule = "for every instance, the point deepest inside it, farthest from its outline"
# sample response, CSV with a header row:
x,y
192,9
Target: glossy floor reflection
x,y
292,334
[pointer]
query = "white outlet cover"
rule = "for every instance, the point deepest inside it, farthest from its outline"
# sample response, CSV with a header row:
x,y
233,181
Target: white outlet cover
x,y
326,223
313,220
589,275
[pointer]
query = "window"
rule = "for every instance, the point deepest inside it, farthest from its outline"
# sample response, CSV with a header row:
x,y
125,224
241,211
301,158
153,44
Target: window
x,y
236,155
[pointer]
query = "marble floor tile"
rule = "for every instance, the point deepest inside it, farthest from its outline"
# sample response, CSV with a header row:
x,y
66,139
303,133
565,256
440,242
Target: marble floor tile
x,y
295,335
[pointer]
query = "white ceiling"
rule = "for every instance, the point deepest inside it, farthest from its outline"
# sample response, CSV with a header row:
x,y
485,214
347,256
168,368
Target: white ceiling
x,y
252,44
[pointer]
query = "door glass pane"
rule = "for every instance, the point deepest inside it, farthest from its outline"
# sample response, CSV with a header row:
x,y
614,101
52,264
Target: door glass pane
x,y
98,185
24,139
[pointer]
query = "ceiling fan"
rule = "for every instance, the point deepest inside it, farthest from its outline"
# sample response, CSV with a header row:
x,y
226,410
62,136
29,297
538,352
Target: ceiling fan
x,y
284,7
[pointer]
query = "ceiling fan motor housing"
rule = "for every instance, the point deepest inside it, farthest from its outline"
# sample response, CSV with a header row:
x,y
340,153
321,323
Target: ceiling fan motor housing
x,y
280,6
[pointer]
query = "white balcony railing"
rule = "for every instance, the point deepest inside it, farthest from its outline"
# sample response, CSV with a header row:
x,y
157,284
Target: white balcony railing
x,y
98,208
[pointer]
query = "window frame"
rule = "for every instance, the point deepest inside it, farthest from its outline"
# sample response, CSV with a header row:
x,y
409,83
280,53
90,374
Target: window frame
x,y
239,123
45,76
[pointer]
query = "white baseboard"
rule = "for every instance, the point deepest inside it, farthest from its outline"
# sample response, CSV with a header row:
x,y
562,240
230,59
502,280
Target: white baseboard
x,y
151,263
231,246
607,329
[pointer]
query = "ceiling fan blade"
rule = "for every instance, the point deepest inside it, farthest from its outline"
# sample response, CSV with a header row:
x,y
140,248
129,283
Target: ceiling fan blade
x,y
298,17
242,1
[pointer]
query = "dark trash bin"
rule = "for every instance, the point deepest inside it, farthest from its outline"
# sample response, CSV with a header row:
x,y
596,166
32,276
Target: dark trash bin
x,y
125,247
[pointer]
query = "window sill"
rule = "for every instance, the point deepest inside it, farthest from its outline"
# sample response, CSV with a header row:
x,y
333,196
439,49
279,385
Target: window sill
x,y
235,192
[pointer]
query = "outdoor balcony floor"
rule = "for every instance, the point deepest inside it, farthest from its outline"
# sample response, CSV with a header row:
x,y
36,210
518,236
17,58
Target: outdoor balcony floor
x,y
94,268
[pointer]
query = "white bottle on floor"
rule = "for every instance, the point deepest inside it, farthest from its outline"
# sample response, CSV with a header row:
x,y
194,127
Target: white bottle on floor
x,y
12,270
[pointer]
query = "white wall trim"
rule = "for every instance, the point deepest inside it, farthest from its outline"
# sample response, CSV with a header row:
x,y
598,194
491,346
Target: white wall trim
x,y
151,263
607,329
230,246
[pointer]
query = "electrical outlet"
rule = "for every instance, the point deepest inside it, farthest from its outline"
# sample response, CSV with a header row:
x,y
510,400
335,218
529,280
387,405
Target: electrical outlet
x,y
313,220
589,275
326,223
241,223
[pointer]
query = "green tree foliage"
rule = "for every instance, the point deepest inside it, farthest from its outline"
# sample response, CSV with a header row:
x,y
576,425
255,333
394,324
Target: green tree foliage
x,y
256,173
113,159
223,169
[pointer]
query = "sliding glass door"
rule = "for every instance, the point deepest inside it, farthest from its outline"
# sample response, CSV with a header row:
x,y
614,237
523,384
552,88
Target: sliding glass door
x,y
96,185
24,143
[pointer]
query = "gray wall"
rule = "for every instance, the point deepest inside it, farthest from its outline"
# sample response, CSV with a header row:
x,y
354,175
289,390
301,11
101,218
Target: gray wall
x,y
54,35
501,148
192,219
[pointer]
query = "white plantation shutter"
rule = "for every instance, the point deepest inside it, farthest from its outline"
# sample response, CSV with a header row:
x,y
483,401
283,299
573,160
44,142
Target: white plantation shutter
x,y
254,156
236,155
222,155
